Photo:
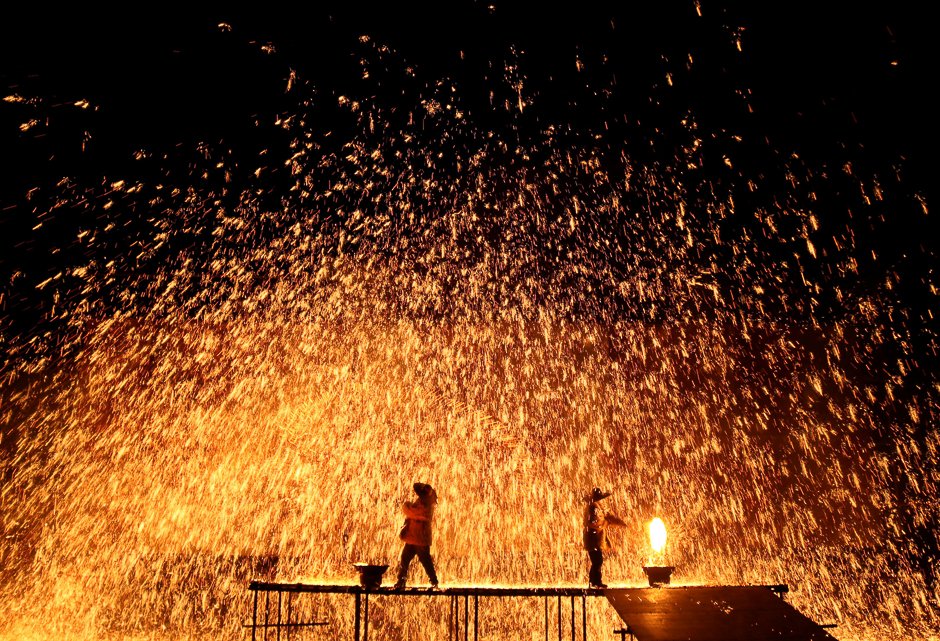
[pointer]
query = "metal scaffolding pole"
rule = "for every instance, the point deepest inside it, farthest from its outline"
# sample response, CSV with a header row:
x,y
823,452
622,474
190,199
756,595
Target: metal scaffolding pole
x,y
357,617
632,604
278,636
459,615
583,618
254,617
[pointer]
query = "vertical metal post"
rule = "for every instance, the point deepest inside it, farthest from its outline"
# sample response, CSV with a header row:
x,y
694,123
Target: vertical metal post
x,y
572,618
583,618
365,617
559,617
358,617
466,617
254,617
278,636
476,617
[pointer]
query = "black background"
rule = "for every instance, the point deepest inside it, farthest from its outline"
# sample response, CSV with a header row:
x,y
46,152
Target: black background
x,y
816,79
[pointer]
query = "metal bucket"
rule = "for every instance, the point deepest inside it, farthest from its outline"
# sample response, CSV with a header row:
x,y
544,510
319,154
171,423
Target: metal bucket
x,y
370,576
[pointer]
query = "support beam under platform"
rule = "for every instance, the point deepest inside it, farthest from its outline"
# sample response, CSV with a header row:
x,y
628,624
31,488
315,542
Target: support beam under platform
x,y
509,591
561,605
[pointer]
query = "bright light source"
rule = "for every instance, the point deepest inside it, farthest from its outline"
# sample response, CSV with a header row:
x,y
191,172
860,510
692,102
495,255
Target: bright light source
x,y
657,534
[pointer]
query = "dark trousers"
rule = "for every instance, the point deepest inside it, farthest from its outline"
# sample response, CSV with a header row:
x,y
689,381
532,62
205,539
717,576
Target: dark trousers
x,y
597,560
423,553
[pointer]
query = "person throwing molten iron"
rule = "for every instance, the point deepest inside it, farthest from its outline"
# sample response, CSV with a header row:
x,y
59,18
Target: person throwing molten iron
x,y
596,520
416,533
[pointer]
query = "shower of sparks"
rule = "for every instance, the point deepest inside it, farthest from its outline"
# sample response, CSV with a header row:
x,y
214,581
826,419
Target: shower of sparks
x,y
236,375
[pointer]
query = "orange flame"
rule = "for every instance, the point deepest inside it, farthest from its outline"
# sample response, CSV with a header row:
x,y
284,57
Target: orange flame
x,y
657,535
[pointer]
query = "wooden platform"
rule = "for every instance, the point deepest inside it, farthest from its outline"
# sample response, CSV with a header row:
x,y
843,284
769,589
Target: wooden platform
x,y
696,613
713,613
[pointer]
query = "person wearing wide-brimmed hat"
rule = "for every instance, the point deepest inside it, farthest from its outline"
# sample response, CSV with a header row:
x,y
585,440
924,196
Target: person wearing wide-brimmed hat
x,y
596,520
416,533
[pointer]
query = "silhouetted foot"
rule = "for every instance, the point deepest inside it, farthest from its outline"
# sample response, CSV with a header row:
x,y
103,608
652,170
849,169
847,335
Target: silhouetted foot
x,y
599,585
433,587
399,585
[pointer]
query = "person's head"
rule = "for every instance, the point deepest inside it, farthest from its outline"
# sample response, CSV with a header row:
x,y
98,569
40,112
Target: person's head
x,y
426,492
597,494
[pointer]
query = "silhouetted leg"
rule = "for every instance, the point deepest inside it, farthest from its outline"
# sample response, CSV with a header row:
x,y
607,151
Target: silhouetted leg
x,y
597,560
424,555
407,553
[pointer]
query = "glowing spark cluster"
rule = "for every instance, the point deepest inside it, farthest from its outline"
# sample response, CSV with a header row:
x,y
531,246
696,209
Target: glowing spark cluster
x,y
249,363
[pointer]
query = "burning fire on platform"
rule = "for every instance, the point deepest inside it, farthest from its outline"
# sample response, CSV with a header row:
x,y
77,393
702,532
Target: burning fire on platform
x,y
656,572
250,386
657,535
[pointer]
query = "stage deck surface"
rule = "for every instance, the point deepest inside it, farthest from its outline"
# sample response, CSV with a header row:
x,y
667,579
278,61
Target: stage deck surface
x,y
673,613
713,613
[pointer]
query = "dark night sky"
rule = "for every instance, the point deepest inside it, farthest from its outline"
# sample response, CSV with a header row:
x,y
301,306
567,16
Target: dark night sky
x,y
162,76
847,75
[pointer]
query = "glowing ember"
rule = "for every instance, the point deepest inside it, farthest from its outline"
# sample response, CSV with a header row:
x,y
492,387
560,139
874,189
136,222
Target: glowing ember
x,y
245,361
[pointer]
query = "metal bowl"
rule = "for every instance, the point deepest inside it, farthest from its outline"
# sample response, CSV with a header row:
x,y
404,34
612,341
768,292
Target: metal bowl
x,y
658,574
370,576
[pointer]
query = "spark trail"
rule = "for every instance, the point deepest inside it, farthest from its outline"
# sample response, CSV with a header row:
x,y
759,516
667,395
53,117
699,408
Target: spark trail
x,y
254,363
